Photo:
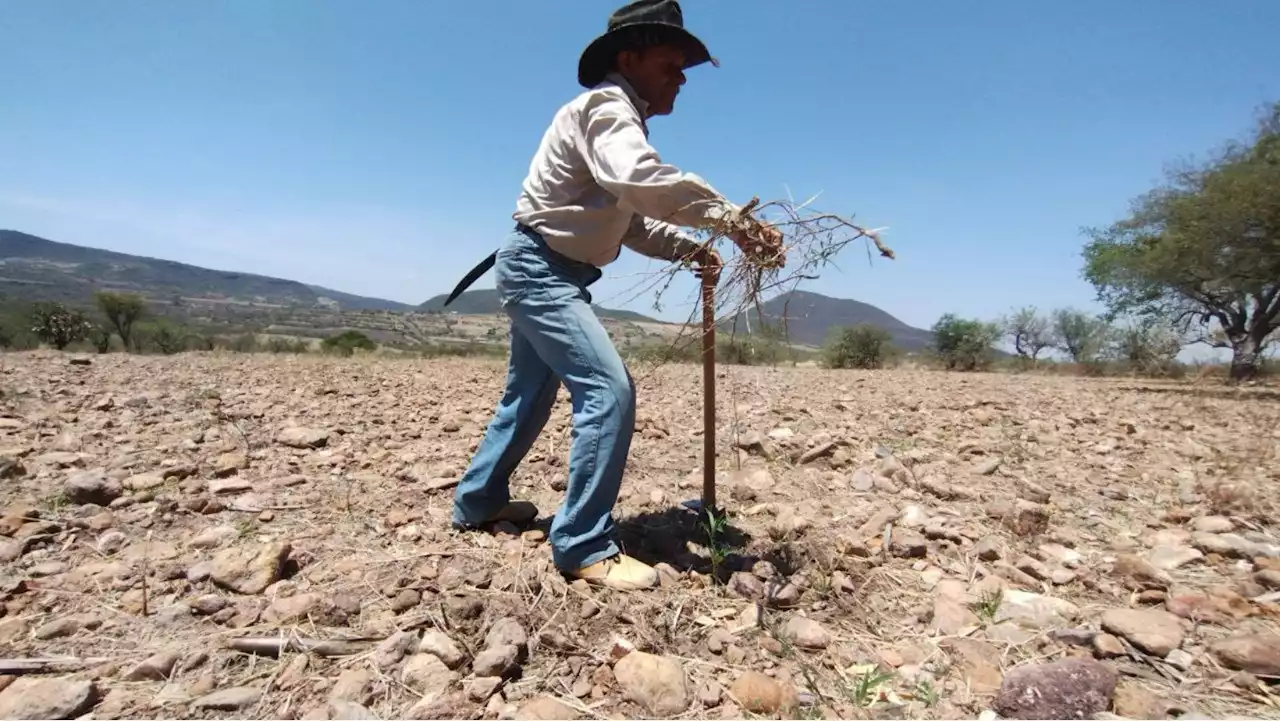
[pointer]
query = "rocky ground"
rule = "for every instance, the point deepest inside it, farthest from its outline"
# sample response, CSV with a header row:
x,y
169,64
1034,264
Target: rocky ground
x,y
219,536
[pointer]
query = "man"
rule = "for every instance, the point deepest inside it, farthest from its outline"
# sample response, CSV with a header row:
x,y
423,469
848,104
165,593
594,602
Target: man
x,y
594,184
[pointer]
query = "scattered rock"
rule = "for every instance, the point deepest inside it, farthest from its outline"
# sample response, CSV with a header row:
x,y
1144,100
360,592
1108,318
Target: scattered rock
x,y
1153,631
806,633
545,708
155,668
229,699
1071,689
978,663
507,631
442,647
1213,524
1168,558
249,569
352,685
1258,654
427,674
656,683
30,697
299,437
761,694
495,660
91,487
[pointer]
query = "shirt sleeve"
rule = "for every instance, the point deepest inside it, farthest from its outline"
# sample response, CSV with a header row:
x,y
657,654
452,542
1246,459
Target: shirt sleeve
x,y
624,163
657,239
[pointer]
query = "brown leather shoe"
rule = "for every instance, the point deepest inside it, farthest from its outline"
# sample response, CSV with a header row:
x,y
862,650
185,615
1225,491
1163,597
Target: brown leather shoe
x,y
620,572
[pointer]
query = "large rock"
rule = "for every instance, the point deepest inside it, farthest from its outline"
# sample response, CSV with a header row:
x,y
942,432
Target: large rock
x,y
299,437
1074,688
229,699
762,694
427,674
545,708
442,647
977,661
91,487
656,683
1033,610
806,633
248,569
1151,630
46,698
1256,653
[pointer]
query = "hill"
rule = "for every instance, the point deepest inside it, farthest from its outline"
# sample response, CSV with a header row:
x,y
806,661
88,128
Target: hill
x,y
808,317
34,267
485,302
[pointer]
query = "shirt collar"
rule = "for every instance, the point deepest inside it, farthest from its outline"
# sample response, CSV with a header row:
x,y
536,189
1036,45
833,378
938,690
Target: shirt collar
x,y
617,79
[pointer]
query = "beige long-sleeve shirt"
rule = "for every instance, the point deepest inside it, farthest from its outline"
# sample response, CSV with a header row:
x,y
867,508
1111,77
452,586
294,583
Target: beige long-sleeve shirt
x,y
595,183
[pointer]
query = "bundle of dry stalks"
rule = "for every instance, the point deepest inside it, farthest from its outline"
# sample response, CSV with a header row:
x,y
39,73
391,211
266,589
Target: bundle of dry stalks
x,y
811,240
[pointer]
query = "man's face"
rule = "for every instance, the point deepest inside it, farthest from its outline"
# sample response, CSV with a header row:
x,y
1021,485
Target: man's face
x,y
656,73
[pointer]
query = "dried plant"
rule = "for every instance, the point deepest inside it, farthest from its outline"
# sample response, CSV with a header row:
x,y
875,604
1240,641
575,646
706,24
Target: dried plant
x,y
811,240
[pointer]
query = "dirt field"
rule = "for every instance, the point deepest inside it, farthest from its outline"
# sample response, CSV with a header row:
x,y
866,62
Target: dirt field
x,y
898,545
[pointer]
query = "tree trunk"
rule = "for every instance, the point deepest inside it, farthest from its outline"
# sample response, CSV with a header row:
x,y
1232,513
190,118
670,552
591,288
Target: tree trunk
x,y
1245,355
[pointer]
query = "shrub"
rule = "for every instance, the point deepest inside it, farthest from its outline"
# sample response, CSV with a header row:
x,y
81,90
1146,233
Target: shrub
x,y
964,344
860,346
58,325
348,342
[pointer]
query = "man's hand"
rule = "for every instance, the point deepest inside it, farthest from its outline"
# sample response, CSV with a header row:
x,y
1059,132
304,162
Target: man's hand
x,y
708,263
762,243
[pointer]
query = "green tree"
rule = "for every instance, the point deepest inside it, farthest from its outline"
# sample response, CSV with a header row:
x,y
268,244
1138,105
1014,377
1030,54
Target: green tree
x,y
859,346
1203,250
1029,331
964,344
59,325
1079,334
347,342
122,311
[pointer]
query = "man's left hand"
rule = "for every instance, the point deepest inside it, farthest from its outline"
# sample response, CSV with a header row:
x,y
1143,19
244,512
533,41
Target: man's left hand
x,y
708,263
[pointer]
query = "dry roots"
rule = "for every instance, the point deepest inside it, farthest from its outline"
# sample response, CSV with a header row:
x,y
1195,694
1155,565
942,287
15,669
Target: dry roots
x,y
810,241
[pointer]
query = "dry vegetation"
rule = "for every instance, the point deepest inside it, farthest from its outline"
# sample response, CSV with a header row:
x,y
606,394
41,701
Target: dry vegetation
x,y
898,544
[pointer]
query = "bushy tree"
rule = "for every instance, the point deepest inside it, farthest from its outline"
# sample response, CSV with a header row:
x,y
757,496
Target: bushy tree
x,y
1146,346
1029,331
122,311
1203,250
58,325
964,344
347,342
859,346
1080,335
100,338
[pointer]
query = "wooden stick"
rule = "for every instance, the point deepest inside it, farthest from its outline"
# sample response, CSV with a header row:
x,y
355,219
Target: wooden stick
x,y
273,646
709,393
15,666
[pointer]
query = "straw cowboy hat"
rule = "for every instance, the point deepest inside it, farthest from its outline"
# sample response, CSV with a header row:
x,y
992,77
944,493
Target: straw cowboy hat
x,y
661,20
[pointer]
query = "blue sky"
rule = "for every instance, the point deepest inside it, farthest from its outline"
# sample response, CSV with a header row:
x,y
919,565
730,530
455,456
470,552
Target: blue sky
x,y
377,147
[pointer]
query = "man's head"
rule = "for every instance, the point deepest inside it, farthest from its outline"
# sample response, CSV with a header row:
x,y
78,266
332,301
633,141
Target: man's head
x,y
647,43
655,71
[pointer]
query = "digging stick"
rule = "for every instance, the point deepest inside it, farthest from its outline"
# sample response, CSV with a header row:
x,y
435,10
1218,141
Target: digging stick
x,y
709,393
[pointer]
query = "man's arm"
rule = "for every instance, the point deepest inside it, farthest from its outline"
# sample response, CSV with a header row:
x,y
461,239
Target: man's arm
x,y
656,239
624,163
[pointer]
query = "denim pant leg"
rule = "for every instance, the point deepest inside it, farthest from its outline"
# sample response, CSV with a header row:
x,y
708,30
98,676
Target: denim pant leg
x,y
553,312
521,415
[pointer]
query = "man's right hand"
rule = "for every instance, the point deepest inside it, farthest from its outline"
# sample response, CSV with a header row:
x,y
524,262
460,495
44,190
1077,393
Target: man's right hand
x,y
763,242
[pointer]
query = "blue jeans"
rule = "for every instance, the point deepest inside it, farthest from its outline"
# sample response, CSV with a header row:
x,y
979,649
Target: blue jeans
x,y
555,337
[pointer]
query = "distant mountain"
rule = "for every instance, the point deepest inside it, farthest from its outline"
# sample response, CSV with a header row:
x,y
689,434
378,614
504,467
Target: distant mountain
x,y
485,302
808,317
35,267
